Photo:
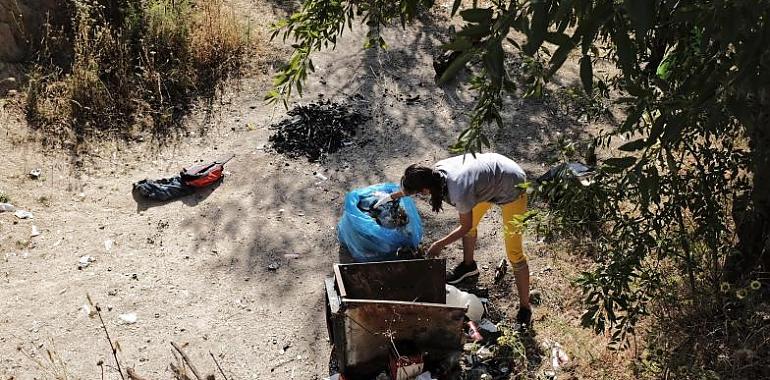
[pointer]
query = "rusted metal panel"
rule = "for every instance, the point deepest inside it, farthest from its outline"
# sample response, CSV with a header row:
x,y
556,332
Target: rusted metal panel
x,y
407,280
371,306
372,327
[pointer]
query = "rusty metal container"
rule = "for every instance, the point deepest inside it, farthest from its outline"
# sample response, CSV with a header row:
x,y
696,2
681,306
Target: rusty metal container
x,y
373,307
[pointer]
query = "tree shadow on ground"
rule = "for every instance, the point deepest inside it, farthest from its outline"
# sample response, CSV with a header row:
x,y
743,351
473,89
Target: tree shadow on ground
x,y
284,209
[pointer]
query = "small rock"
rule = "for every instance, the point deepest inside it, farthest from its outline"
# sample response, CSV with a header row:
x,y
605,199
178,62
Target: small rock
x,y
35,231
273,266
35,173
535,297
128,318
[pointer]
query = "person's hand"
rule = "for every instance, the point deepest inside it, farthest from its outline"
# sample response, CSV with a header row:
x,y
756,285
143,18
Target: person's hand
x,y
434,250
383,198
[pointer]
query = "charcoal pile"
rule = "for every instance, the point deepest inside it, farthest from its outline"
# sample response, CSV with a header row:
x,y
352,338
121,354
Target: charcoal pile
x,y
315,130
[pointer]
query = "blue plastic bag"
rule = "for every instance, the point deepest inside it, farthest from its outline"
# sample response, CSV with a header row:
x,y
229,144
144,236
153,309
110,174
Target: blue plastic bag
x,y
368,241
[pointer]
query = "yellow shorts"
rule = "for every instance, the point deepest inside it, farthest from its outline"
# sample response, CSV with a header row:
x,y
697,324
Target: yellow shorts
x,y
513,244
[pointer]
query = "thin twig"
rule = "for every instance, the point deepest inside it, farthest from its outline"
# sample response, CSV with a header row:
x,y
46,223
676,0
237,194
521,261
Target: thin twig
x,y
187,360
217,363
114,350
133,375
178,373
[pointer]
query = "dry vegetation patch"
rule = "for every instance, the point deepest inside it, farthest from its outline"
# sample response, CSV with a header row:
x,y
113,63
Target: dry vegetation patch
x,y
132,66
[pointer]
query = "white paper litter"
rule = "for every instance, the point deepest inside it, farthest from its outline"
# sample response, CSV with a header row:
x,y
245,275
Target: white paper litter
x,y
23,214
85,261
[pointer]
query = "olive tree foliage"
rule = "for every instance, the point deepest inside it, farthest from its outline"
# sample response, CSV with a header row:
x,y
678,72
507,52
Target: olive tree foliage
x,y
683,202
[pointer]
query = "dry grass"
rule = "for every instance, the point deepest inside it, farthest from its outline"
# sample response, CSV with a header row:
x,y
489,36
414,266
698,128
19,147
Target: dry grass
x,y
126,70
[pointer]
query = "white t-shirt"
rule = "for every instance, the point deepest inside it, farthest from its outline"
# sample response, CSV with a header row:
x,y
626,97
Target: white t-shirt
x,y
488,177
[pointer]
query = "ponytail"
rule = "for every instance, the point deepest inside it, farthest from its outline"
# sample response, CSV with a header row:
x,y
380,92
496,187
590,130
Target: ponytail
x,y
416,178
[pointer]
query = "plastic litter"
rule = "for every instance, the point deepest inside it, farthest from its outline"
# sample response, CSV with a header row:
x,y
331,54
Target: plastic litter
x,y
558,356
35,173
108,244
365,238
459,298
7,207
500,271
23,214
424,376
474,333
35,231
85,261
487,325
128,318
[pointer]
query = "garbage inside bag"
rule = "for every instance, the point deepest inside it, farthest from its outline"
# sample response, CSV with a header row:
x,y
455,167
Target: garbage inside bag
x,y
389,215
378,234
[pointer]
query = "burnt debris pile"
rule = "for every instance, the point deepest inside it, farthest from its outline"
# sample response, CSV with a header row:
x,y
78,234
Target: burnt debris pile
x,y
316,129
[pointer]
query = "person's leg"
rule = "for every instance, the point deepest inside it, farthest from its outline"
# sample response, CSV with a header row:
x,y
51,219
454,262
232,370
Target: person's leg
x,y
515,249
469,240
468,267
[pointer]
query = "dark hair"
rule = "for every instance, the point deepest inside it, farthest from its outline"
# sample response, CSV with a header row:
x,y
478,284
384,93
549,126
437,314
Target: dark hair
x,y
417,178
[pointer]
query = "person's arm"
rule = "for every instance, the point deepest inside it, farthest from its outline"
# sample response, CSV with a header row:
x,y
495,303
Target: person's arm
x,y
466,223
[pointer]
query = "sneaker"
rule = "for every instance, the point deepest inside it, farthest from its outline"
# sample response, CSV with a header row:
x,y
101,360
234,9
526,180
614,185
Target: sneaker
x,y
524,317
461,272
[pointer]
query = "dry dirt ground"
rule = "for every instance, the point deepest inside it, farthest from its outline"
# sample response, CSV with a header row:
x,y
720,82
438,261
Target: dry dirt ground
x,y
195,271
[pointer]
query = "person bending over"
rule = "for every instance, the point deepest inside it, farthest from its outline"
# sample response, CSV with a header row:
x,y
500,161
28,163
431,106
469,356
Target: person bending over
x,y
472,184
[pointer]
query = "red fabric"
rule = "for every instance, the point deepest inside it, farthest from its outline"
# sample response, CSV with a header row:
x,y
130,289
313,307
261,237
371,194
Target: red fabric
x,y
214,174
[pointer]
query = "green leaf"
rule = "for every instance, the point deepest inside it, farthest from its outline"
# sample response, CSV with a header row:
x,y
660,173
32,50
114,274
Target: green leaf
x,y
459,44
557,38
477,15
513,42
455,66
456,6
620,162
632,118
493,62
474,31
586,74
657,129
641,13
538,28
632,146
559,56
625,50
